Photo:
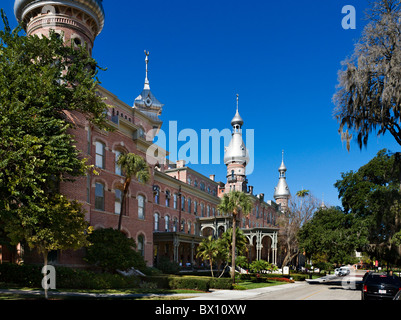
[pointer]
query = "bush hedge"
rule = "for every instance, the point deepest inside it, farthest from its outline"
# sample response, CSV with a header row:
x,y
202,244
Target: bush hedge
x,y
190,282
66,278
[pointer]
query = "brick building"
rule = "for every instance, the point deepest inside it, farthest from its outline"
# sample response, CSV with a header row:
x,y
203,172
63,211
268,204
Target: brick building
x,y
169,215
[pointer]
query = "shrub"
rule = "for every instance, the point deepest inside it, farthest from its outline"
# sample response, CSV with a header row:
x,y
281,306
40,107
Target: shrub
x,y
66,278
167,266
221,283
112,250
196,283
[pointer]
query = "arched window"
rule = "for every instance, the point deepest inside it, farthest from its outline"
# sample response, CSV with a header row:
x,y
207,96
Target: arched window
x,y
202,210
156,220
175,224
168,198
100,155
167,223
189,227
117,201
99,196
195,207
141,207
189,205
141,245
157,195
208,210
117,167
182,203
182,225
175,200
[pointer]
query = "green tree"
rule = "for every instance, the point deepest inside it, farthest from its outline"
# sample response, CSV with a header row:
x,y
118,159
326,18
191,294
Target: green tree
x,y
368,97
208,250
41,83
331,234
224,244
372,195
112,250
234,203
132,165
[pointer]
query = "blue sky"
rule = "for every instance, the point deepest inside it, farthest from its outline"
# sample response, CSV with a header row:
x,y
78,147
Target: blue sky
x,y
282,58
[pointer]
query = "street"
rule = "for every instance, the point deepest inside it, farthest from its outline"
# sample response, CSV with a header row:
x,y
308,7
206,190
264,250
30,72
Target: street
x,y
307,291
325,288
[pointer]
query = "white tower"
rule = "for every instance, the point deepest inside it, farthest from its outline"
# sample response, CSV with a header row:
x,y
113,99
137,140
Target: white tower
x,y
236,157
282,193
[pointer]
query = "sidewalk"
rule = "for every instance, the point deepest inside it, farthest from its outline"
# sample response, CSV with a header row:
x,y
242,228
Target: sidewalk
x,y
213,295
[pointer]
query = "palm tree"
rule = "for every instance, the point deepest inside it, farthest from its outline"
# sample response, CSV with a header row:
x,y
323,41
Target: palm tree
x,y
234,203
303,193
132,165
208,250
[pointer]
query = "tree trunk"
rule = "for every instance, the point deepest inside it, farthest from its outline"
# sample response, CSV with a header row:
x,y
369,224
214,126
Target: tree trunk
x,y
123,200
45,254
211,267
233,247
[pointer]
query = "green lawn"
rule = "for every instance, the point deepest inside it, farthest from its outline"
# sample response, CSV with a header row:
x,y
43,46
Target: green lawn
x,y
247,285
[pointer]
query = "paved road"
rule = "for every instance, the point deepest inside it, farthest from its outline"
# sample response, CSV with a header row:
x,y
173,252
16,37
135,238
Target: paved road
x,y
311,292
326,288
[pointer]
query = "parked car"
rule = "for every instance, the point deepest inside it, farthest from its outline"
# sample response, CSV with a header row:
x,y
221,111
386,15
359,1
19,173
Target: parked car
x,y
398,296
343,271
380,286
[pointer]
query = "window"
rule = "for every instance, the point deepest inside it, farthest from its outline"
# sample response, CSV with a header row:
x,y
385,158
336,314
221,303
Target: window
x,y
208,210
167,223
175,200
141,207
118,168
189,205
189,227
156,217
141,245
175,224
99,196
202,210
157,196
117,201
196,183
183,203
182,225
100,152
202,186
195,207
167,198
214,211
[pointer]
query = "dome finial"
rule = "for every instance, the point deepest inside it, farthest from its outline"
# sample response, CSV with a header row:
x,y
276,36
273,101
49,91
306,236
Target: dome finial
x,y
237,120
146,87
237,101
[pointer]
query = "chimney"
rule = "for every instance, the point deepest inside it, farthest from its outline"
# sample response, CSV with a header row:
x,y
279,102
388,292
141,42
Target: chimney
x,y
180,163
212,177
251,189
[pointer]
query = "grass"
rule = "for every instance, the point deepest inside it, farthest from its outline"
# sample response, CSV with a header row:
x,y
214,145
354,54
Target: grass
x,y
248,285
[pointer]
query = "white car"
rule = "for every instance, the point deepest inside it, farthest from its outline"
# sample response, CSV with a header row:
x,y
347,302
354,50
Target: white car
x,y
343,271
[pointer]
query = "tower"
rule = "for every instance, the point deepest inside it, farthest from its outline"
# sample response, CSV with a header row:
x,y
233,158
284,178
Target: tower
x,y
282,193
78,21
146,102
236,157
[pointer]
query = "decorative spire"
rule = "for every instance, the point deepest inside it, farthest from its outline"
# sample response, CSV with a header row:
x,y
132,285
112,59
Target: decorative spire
x,y
147,87
237,101
237,121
